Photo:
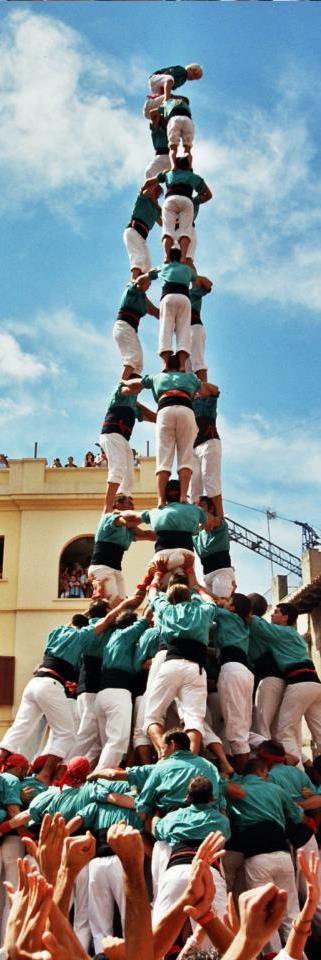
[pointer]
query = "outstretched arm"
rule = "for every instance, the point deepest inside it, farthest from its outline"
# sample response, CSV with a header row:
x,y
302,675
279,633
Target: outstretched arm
x,y
133,602
128,846
205,195
148,414
151,309
301,928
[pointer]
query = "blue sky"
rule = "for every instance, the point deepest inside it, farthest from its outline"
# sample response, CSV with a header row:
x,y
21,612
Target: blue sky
x,y
73,147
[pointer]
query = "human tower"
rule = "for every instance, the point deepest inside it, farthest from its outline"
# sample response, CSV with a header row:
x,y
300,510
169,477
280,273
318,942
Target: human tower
x,y
111,683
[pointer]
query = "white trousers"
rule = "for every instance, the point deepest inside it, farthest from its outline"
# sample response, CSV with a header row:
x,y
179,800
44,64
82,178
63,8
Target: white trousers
x,y
221,582
113,580
114,714
120,461
173,883
129,345
175,317
106,887
206,478
81,920
160,857
43,697
177,216
180,128
275,868
235,689
140,739
300,700
268,700
88,740
159,164
137,249
198,347
180,680
175,430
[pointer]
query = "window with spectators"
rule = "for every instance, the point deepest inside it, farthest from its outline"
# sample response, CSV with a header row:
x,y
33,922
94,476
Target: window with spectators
x,y
73,569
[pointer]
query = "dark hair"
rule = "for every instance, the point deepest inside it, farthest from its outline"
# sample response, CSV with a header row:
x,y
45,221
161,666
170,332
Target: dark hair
x,y
172,491
289,611
200,790
175,255
178,593
173,363
209,503
258,604
125,619
179,737
242,605
177,578
196,953
98,608
78,620
272,747
182,163
255,765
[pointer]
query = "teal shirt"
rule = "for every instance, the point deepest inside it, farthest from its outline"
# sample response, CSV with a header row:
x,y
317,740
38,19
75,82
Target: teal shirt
x,y
68,643
263,800
137,776
145,210
178,73
101,816
182,176
169,779
119,652
159,134
109,531
118,399
231,630
36,785
285,643
175,516
174,272
212,541
146,647
70,800
134,299
194,822
160,383
191,620
174,103
291,779
10,790
206,407
196,295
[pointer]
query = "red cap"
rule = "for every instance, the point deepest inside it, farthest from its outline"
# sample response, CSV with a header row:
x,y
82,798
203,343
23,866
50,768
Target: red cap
x,y
16,760
38,763
77,770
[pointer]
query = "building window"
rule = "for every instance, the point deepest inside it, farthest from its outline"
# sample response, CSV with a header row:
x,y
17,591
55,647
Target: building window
x,y
73,569
1,556
7,668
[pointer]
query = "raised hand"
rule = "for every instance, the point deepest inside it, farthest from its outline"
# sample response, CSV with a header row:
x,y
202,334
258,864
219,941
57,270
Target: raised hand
x,y
127,843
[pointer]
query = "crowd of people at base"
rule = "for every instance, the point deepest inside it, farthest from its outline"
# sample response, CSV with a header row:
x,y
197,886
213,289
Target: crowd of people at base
x,y
154,741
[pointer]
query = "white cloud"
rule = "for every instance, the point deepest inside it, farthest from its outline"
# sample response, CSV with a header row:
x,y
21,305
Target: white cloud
x,y
11,410
15,364
59,127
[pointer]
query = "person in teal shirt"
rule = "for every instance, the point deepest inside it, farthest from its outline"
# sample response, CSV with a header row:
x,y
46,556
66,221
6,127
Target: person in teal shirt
x,y
146,212
163,81
235,681
133,305
175,306
122,411
201,287
213,549
302,697
154,113
112,539
147,647
113,704
183,831
178,210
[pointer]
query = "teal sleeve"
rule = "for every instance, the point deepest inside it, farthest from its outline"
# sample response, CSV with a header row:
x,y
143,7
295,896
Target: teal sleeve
x,y
145,516
198,183
85,634
161,177
87,814
203,516
11,791
291,810
3,815
153,274
145,803
147,381
159,833
137,776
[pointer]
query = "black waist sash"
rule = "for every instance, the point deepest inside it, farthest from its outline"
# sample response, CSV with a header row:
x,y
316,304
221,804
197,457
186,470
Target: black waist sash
x,y
216,561
196,318
179,190
184,852
129,316
65,669
162,151
171,287
173,539
107,553
119,420
233,654
206,430
174,400
265,836
102,847
116,678
303,672
140,228
185,648
180,112
89,677
266,666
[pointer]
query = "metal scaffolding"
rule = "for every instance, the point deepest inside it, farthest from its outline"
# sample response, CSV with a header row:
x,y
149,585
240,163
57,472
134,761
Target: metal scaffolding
x,y
258,544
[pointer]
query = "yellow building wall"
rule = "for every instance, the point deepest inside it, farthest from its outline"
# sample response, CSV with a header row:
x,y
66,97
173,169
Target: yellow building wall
x,y
41,511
